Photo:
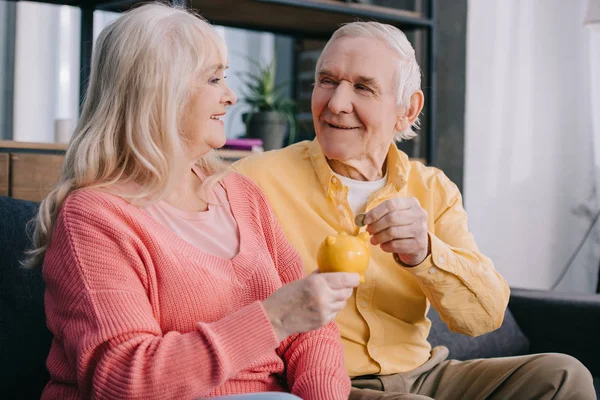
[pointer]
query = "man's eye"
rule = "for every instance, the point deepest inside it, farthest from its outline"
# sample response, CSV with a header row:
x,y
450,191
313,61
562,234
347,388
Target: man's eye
x,y
215,80
362,88
326,81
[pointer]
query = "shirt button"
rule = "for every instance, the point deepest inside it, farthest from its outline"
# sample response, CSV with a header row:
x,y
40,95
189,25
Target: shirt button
x,y
334,179
374,350
432,271
363,303
340,207
441,259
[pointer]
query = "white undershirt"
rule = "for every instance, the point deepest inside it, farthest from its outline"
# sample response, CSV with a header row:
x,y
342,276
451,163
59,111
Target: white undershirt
x,y
360,191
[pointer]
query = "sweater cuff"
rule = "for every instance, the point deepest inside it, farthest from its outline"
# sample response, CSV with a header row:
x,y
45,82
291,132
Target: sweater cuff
x,y
319,387
246,335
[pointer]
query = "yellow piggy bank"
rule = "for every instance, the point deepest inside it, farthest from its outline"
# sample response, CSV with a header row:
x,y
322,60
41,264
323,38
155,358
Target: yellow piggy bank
x,y
345,253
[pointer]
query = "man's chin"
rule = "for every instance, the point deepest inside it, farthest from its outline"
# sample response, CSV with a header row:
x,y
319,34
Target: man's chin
x,y
337,153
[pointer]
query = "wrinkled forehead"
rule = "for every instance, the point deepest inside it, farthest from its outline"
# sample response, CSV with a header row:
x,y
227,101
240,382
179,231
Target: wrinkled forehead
x,y
359,57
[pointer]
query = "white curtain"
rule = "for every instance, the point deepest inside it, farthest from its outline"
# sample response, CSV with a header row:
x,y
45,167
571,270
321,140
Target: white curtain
x,y
593,23
531,171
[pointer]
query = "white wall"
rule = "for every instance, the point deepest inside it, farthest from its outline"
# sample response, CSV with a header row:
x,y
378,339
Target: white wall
x,y
530,184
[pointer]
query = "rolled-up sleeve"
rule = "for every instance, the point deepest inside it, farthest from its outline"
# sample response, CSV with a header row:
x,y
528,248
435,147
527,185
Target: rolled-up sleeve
x,y
460,282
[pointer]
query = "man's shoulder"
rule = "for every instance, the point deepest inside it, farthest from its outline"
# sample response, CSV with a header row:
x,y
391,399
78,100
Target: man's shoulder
x,y
432,181
430,176
275,162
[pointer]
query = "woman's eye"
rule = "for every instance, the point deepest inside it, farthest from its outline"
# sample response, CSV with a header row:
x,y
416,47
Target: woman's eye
x,y
216,80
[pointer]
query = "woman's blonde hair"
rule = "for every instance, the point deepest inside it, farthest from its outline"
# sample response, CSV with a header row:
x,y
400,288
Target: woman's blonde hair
x,y
143,66
408,76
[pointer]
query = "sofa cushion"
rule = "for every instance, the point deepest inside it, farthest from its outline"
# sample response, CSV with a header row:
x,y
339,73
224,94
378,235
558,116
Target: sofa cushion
x,y
24,338
506,341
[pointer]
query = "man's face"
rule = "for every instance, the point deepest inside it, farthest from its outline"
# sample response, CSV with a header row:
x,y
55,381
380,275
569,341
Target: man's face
x,y
354,101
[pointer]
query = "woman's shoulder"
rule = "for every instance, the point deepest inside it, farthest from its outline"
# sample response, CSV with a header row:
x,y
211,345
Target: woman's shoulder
x,y
95,204
236,182
92,198
245,189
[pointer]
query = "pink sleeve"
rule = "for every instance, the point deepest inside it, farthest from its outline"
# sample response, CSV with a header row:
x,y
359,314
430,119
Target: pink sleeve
x,y
99,310
314,360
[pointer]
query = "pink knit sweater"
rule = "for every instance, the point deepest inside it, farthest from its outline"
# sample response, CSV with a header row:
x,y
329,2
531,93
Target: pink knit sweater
x,y
137,312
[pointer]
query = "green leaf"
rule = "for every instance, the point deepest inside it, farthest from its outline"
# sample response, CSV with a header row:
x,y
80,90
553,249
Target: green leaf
x,y
261,92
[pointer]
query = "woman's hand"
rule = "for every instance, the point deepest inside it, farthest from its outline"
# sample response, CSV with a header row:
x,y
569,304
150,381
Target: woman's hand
x,y
309,303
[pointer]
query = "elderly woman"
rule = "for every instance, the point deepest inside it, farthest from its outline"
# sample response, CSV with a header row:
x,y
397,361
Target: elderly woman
x,y
366,95
166,277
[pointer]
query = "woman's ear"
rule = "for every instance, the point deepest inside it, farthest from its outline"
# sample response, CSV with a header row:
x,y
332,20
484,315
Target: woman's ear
x,y
408,115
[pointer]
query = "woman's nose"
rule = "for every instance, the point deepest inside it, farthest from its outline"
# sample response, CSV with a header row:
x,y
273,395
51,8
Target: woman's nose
x,y
230,96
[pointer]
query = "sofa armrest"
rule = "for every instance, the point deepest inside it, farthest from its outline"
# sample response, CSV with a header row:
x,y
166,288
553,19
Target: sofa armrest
x,y
560,323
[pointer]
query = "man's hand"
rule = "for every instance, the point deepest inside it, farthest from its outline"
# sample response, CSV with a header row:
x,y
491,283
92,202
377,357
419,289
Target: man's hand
x,y
400,226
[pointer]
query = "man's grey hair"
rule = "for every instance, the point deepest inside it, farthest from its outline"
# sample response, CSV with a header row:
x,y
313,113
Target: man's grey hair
x,y
408,75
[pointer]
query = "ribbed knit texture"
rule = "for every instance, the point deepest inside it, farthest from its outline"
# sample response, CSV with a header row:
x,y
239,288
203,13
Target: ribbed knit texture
x,y
137,312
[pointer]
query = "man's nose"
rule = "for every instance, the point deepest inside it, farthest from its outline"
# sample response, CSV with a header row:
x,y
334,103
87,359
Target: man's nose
x,y
341,100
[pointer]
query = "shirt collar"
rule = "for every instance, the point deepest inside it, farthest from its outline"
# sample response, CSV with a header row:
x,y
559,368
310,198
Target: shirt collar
x,y
398,166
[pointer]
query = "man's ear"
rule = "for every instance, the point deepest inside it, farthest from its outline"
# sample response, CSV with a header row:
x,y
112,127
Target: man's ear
x,y
408,115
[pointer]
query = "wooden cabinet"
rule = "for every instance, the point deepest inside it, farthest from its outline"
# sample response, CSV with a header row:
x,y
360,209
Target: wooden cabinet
x,y
33,175
4,171
29,170
305,18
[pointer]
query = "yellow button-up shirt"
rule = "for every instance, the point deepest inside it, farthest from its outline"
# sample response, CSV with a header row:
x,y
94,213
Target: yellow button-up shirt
x,y
384,327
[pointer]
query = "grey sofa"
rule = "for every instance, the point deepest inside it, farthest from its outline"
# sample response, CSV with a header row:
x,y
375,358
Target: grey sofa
x,y
536,321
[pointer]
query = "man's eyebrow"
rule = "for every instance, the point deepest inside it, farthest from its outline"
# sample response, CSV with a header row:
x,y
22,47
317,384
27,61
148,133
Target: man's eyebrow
x,y
366,80
324,71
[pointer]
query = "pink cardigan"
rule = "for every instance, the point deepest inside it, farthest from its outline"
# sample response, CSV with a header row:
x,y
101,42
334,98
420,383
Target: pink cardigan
x,y
137,312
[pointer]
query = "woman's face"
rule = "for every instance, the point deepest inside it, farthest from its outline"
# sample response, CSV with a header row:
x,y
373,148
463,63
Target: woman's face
x,y
202,123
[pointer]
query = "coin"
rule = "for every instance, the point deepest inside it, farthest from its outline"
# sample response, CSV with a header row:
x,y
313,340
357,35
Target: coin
x,y
359,220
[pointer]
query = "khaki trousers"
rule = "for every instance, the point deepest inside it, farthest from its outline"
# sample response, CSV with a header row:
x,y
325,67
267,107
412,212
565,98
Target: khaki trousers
x,y
539,376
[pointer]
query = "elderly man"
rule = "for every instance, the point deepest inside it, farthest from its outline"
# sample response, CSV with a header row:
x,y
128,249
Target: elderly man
x,y
366,95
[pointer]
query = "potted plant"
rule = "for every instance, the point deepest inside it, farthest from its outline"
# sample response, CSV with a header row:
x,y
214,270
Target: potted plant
x,y
271,113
